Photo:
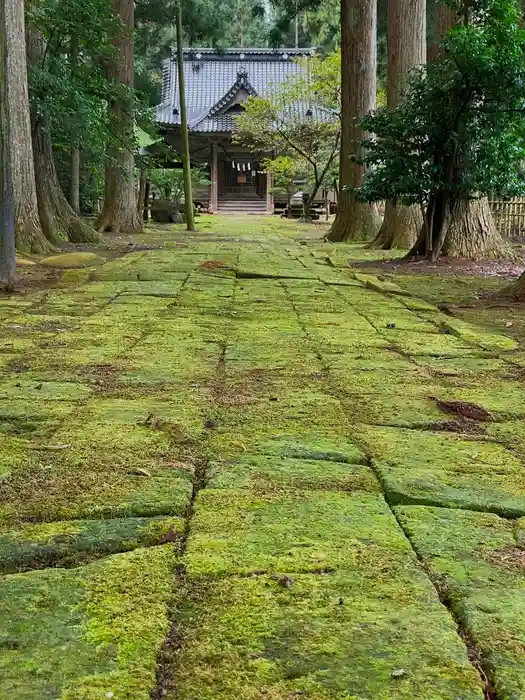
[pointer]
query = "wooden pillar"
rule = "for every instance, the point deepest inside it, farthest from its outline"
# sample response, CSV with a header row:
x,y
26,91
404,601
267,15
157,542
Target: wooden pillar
x,y
270,208
214,173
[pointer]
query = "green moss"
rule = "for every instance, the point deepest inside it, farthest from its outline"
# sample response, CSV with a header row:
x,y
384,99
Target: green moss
x,y
76,259
313,446
410,406
400,319
71,542
469,368
415,343
236,531
299,412
511,434
418,448
118,458
505,399
472,334
272,472
380,285
80,634
446,469
43,390
478,565
419,305
481,489
323,637
76,276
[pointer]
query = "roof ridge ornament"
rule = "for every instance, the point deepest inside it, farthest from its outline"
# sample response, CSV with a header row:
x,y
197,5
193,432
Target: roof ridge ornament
x,y
242,82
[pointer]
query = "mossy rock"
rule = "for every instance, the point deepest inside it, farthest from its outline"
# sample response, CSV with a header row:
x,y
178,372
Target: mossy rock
x,y
379,285
271,472
90,632
478,564
24,262
237,531
73,542
353,634
321,447
65,260
478,336
481,489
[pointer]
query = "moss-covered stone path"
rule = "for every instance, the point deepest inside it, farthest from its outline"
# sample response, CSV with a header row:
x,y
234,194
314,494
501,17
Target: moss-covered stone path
x,y
225,474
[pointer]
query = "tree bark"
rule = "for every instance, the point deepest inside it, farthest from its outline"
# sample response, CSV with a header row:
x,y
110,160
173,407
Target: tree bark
x,y
188,196
28,232
74,180
472,232
74,183
7,205
517,288
466,229
355,220
406,44
445,19
145,211
119,212
57,218
142,191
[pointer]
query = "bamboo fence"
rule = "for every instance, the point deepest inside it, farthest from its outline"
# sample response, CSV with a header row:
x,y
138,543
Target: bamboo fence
x,y
509,216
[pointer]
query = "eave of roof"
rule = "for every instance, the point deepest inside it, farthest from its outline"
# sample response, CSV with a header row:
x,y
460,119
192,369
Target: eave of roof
x,y
214,78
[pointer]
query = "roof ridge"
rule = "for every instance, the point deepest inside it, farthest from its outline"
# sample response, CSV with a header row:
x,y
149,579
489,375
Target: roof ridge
x,y
251,49
242,82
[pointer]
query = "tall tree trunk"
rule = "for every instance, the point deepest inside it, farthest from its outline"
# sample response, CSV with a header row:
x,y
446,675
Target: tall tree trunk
x,y
74,175
406,42
7,205
119,212
469,230
445,19
74,179
517,288
28,232
472,232
145,211
57,219
355,220
188,195
142,191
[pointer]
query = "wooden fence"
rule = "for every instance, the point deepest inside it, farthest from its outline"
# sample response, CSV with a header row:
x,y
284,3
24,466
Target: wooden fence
x,y
509,216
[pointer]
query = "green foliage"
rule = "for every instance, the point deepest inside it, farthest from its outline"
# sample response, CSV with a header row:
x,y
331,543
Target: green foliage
x,y
168,183
460,129
298,120
286,172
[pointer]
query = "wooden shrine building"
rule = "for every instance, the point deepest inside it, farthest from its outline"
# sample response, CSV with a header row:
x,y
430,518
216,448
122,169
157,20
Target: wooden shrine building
x,y
217,85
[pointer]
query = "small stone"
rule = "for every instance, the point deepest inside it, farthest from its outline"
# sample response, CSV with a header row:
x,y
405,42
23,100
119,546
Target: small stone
x,y
138,471
398,673
390,325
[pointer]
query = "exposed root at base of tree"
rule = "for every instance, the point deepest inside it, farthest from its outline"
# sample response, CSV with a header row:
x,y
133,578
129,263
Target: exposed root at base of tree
x,y
400,228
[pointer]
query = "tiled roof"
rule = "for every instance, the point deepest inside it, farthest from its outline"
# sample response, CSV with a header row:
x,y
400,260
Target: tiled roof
x,y
213,79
